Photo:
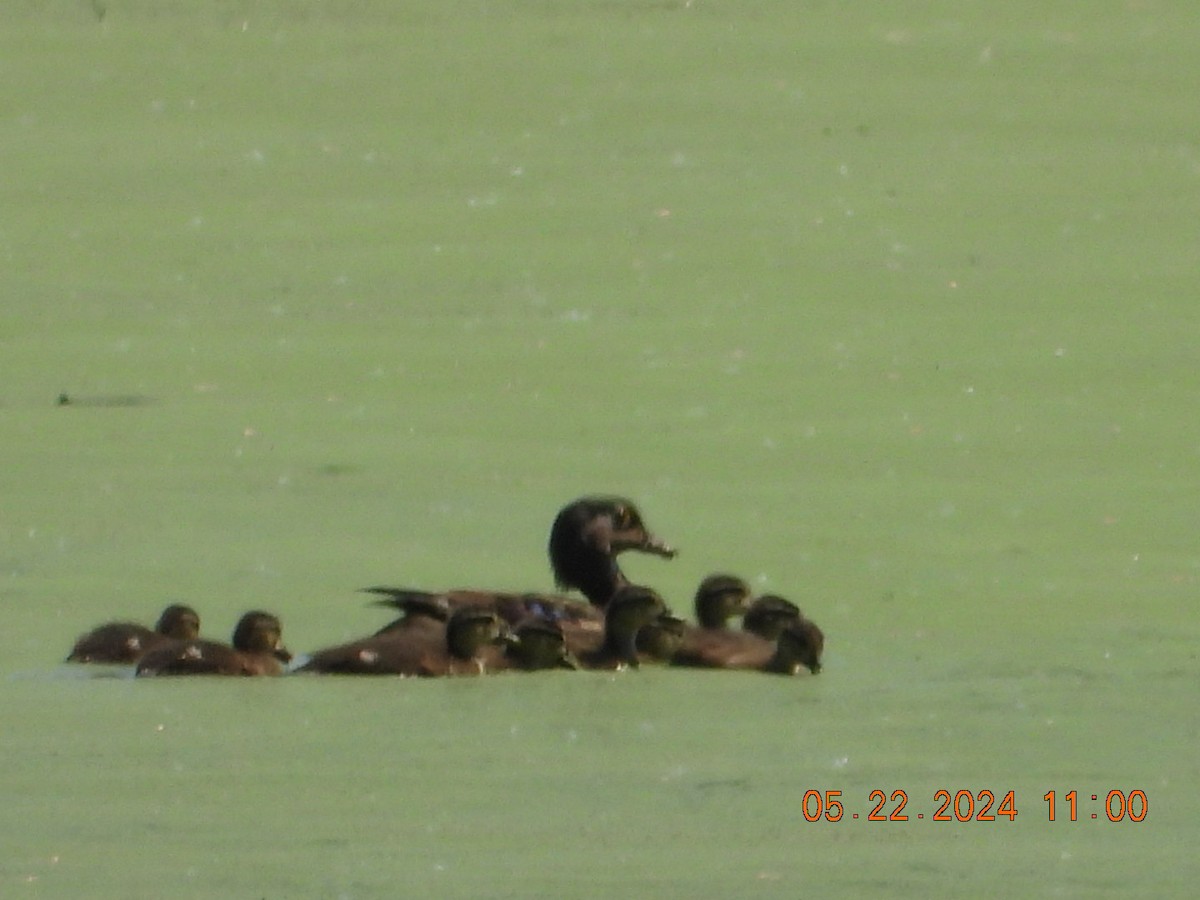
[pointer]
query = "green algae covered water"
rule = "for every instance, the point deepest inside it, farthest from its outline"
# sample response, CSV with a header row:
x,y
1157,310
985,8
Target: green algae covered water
x,y
890,310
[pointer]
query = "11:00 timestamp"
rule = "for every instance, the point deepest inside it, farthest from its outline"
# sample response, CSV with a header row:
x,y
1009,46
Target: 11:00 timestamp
x,y
971,806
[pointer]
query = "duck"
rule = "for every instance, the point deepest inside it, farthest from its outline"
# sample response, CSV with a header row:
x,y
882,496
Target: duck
x,y
585,539
125,643
257,649
631,609
769,614
659,640
459,646
535,644
797,649
587,536
719,598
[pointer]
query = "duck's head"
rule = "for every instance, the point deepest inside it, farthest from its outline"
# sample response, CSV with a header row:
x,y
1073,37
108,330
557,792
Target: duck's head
x,y
660,639
179,622
260,632
586,537
471,628
769,615
632,608
539,644
800,643
719,598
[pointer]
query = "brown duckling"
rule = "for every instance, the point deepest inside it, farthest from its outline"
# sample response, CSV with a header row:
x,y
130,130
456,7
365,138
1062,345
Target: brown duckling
x,y
631,608
535,644
585,539
769,614
127,642
659,640
798,646
257,650
459,647
719,598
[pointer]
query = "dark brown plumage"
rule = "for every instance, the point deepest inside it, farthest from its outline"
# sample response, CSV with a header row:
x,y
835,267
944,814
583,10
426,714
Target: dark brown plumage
x,y
257,650
127,642
585,539
631,608
457,646
798,647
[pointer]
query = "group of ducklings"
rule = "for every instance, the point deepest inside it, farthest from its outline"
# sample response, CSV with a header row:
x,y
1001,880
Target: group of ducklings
x,y
473,632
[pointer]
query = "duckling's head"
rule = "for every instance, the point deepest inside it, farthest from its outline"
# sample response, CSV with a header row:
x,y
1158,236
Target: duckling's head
x,y
179,622
538,643
631,609
768,615
471,628
660,639
800,643
260,632
586,537
719,598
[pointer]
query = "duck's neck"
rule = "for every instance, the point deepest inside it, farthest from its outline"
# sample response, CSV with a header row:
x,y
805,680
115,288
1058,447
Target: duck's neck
x,y
599,581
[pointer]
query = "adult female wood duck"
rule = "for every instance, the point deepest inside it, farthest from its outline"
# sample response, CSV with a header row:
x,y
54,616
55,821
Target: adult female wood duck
x,y
127,642
585,539
257,650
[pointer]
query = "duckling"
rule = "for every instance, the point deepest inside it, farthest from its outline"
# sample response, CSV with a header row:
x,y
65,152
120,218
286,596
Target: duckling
x,y
659,640
585,538
719,598
535,644
257,650
456,648
768,615
631,608
798,646
127,642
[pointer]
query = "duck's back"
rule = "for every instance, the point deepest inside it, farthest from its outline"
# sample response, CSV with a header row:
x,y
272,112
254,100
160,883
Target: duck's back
x,y
116,642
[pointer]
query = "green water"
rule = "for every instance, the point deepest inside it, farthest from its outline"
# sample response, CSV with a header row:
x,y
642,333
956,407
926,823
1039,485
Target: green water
x,y
890,308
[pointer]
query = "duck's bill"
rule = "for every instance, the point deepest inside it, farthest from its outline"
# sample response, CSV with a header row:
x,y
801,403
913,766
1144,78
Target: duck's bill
x,y
283,654
657,547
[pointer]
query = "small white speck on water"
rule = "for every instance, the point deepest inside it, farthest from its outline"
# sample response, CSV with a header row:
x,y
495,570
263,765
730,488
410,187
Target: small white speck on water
x,y
1060,352
841,762
572,736
256,156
